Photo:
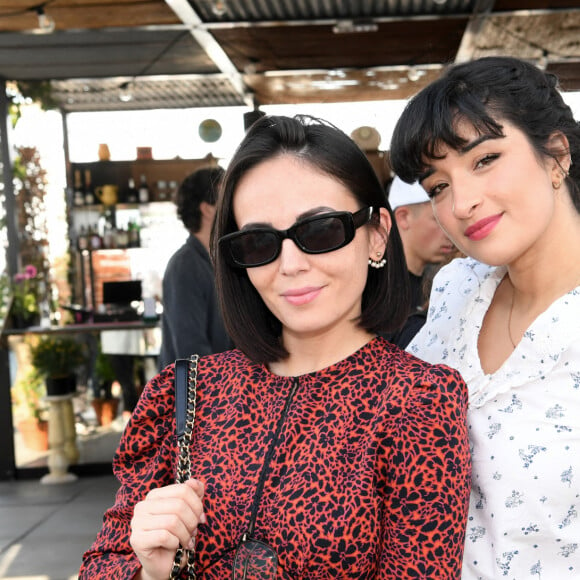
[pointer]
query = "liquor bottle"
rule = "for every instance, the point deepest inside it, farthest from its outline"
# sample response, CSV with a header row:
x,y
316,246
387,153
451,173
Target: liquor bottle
x,y
132,194
162,190
134,234
95,241
79,194
83,241
89,193
143,190
173,188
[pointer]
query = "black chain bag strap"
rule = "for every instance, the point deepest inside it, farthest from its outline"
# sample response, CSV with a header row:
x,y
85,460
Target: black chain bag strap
x,y
185,399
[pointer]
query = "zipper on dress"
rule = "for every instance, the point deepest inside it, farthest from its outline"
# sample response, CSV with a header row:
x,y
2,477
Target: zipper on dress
x,y
268,459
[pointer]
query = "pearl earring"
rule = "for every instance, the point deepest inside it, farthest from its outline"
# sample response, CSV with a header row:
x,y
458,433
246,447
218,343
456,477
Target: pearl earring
x,y
377,263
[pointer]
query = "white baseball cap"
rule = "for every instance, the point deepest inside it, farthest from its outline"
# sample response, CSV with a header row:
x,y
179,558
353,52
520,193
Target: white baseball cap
x,y
401,193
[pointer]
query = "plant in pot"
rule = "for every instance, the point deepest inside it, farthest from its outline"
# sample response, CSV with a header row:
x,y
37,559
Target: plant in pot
x,y
31,410
24,308
104,403
57,359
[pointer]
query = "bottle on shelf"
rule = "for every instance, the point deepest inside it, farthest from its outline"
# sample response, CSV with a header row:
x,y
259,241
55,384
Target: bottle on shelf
x,y
109,236
173,187
122,238
83,240
89,193
134,234
143,190
79,194
162,190
132,194
95,241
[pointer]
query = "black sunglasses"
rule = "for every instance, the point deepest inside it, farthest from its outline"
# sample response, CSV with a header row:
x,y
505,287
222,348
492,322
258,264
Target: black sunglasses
x,y
313,235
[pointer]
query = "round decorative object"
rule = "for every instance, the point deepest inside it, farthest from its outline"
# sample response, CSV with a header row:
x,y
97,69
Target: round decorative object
x,y
367,138
210,130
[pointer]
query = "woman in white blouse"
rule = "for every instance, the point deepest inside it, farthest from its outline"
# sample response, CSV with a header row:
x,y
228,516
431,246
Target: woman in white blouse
x,y
498,151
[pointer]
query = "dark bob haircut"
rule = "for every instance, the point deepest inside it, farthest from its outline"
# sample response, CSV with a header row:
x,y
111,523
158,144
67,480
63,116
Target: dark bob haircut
x,y
485,92
251,325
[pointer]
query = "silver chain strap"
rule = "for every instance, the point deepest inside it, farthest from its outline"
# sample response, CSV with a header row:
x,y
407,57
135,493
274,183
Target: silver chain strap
x,y
184,464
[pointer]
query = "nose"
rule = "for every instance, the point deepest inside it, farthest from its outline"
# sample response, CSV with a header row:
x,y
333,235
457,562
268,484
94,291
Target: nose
x,y
466,197
292,258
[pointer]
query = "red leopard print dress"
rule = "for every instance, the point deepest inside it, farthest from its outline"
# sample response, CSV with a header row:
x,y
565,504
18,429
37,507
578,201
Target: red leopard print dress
x,y
370,476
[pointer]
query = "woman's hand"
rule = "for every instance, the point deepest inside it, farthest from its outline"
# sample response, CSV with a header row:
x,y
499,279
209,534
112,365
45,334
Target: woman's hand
x,y
167,518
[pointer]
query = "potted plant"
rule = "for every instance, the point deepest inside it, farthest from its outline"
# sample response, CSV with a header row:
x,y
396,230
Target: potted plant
x,y
32,423
57,359
104,403
24,309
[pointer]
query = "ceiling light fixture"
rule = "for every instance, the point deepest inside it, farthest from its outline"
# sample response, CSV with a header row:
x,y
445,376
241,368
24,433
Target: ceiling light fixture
x,y
414,74
354,26
219,7
126,92
46,23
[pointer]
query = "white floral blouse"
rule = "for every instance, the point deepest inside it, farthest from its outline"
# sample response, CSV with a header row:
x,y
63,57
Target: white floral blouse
x,y
524,426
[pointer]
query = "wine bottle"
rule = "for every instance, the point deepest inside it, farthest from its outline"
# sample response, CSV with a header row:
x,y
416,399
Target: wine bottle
x,y
132,194
134,234
143,190
79,194
83,241
89,193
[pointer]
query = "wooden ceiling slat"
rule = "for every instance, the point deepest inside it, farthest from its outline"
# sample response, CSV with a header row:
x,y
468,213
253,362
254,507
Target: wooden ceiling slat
x,y
311,47
274,45
69,15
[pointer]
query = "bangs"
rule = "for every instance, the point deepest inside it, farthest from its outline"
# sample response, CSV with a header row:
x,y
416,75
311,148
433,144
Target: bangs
x,y
431,120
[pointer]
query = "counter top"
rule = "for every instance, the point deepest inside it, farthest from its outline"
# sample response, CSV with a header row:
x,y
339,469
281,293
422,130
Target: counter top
x,y
84,327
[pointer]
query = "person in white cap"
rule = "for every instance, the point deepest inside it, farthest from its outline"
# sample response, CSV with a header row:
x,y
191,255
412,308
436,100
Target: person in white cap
x,y
424,244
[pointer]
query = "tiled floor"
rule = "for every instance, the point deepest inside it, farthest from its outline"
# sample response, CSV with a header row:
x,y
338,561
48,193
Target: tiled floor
x,y
44,529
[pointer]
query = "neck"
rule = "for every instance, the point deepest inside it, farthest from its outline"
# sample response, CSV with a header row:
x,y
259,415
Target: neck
x,y
414,265
203,236
551,268
311,354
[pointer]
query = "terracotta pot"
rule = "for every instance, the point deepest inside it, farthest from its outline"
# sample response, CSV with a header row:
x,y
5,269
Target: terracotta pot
x,y
57,386
105,410
34,434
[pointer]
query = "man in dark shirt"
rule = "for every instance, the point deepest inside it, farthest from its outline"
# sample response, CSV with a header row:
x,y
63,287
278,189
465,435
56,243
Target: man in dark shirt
x,y
191,322
424,243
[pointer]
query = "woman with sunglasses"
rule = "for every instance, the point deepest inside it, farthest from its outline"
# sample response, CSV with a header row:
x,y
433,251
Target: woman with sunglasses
x,y
497,149
319,449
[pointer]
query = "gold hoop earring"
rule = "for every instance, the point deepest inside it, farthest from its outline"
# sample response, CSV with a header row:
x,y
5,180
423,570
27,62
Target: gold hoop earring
x,y
556,184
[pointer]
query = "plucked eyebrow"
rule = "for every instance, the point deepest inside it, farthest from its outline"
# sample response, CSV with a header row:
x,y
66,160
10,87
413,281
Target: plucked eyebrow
x,y
481,139
462,151
306,214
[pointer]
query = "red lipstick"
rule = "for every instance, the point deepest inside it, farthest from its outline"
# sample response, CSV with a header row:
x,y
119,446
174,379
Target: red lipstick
x,y
482,228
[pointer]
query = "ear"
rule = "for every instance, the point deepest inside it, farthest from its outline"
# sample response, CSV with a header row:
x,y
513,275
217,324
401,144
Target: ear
x,y
379,234
207,210
559,146
402,217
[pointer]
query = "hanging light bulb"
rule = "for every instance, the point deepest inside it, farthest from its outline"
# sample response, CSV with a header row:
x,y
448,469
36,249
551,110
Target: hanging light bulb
x,y
46,23
219,7
126,92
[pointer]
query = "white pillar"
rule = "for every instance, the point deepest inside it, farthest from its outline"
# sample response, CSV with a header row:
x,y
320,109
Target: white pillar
x,y
61,440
